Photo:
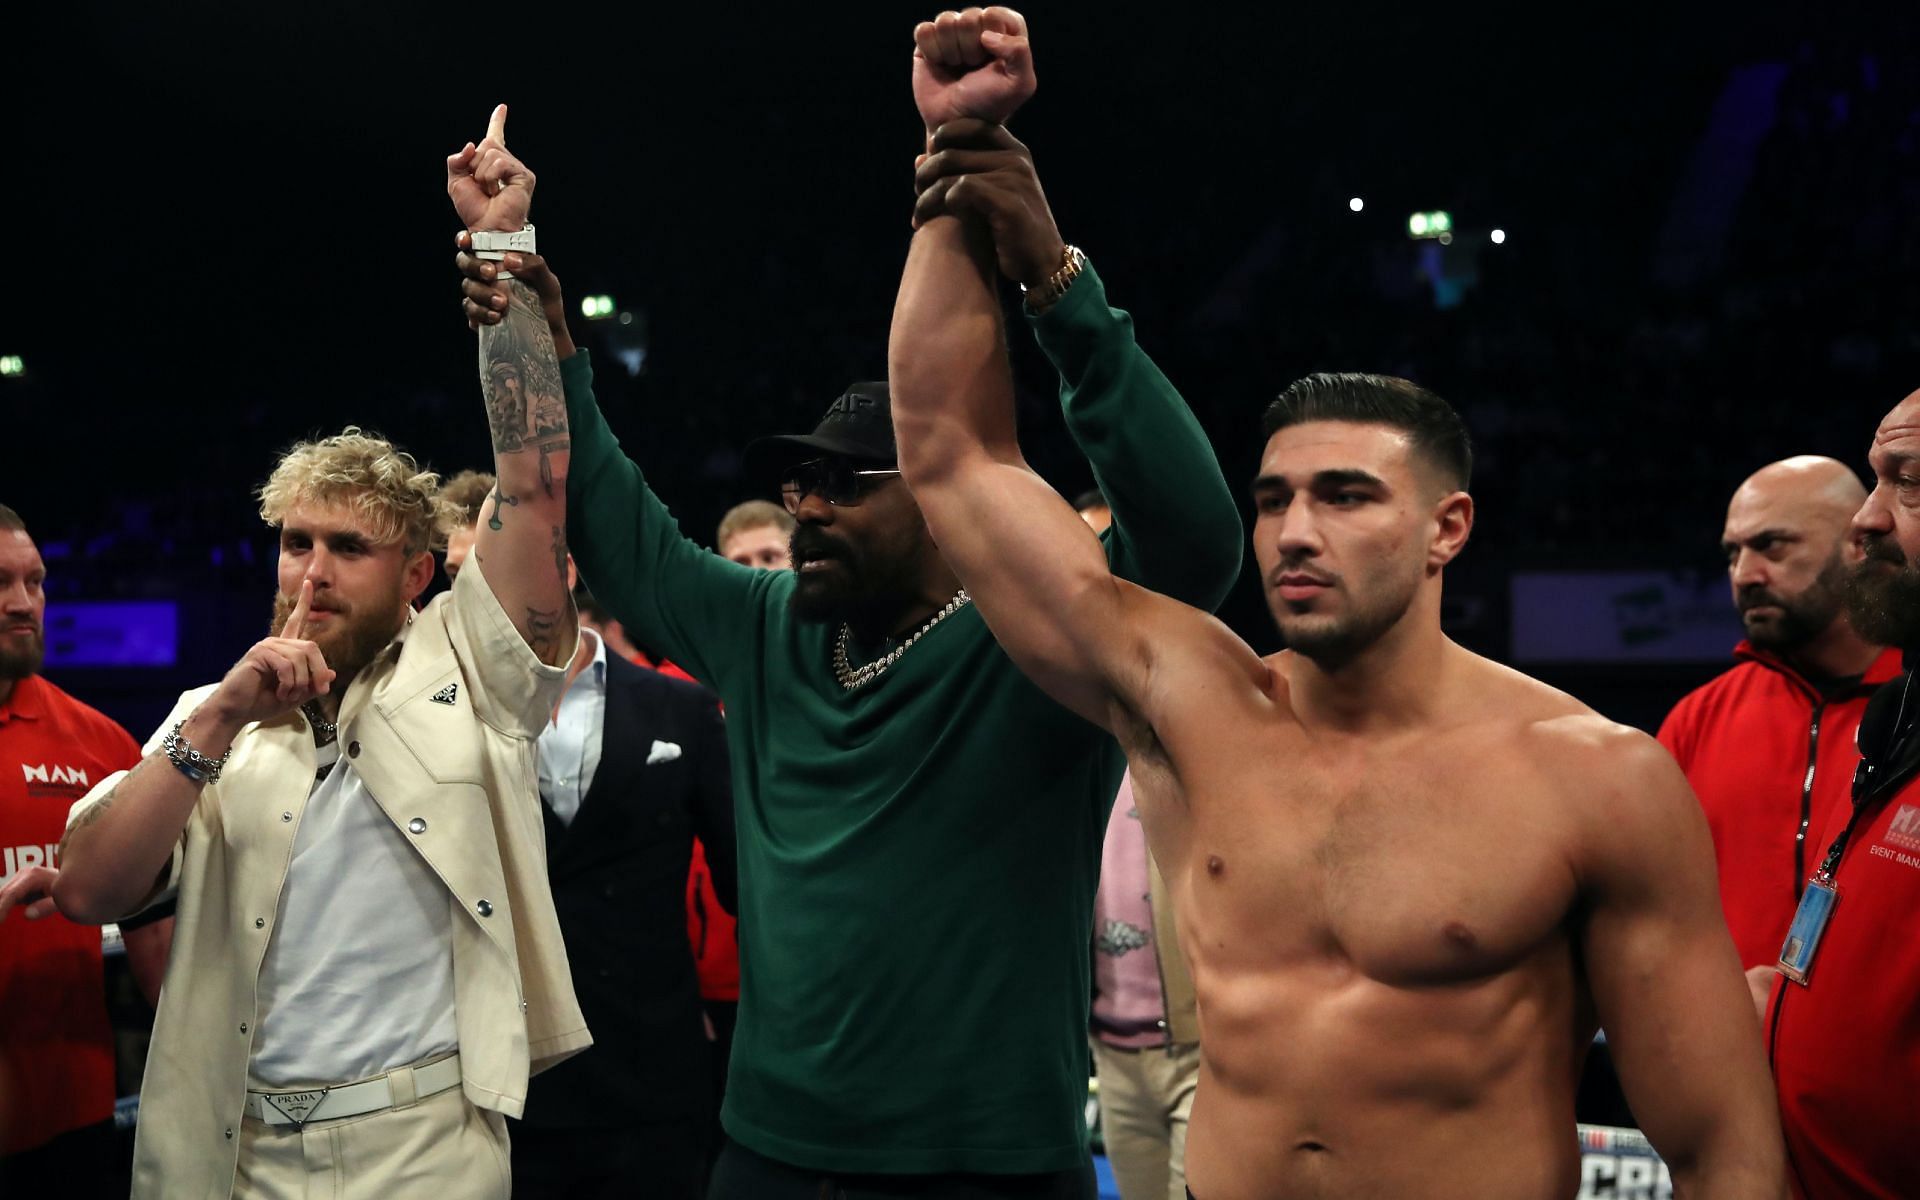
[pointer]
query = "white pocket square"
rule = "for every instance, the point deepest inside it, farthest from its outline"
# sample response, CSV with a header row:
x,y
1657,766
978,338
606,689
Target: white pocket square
x,y
663,752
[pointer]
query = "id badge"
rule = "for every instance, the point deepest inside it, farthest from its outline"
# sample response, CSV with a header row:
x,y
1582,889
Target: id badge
x,y
1809,922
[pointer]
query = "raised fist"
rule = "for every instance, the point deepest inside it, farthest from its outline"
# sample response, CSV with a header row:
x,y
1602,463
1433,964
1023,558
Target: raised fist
x,y
975,63
490,188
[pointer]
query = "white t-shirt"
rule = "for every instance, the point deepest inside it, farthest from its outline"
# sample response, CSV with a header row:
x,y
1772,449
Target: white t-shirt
x,y
358,978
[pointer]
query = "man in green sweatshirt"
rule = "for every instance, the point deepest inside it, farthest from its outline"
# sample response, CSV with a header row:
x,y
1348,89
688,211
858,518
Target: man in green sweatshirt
x,y
919,826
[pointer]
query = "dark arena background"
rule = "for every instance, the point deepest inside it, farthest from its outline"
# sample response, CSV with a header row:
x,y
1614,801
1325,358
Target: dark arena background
x,y
232,232
1643,249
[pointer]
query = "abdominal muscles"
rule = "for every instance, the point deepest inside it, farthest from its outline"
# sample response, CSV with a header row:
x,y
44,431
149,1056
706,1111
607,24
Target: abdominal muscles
x,y
1318,1080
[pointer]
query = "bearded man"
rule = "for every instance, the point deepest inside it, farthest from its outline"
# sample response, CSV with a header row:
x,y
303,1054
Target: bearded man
x,y
1769,745
367,965
1841,1027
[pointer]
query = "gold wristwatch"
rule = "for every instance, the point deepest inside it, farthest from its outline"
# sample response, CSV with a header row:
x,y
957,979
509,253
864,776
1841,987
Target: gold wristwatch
x,y
1073,260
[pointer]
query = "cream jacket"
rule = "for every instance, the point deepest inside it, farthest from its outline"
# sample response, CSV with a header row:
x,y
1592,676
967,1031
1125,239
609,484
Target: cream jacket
x,y
441,727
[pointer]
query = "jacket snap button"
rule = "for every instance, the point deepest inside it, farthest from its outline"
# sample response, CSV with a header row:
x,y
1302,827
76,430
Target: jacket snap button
x,y
417,825
484,908
286,816
259,922
353,749
243,1027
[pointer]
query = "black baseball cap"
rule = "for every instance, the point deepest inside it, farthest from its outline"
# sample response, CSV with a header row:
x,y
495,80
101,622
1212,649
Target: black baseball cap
x,y
858,426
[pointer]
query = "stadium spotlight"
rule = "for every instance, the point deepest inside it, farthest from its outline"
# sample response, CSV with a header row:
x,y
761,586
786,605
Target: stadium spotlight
x,y
596,308
1430,224
12,364
1356,204
1499,237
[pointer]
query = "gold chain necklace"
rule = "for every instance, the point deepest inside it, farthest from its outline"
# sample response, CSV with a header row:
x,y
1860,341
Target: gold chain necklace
x,y
851,677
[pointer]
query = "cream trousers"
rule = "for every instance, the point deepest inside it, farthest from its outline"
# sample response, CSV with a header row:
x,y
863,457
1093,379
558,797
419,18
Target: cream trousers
x,y
1145,1096
440,1148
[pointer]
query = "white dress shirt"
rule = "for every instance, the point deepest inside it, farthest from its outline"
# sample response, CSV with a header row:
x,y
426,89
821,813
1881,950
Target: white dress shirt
x,y
570,744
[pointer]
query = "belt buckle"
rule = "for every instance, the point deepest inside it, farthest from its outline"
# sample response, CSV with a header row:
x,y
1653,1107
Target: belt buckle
x,y
296,1107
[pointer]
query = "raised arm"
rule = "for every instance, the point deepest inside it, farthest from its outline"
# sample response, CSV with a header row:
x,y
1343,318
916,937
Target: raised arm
x,y
1667,983
1176,525
521,542
676,597
1034,568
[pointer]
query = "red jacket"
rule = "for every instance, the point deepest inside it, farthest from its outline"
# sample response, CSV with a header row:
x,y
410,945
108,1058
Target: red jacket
x,y
1845,1048
1771,760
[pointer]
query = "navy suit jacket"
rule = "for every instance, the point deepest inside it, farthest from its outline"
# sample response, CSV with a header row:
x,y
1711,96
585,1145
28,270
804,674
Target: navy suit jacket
x,y
619,874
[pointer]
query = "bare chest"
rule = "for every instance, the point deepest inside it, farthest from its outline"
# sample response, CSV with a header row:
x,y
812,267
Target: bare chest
x,y
1426,863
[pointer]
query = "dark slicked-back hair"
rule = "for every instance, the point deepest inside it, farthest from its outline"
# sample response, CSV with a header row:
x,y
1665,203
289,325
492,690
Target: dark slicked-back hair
x,y
1435,429
10,520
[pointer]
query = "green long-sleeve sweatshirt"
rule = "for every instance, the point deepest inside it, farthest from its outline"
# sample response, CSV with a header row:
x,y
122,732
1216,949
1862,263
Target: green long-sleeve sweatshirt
x,y
917,857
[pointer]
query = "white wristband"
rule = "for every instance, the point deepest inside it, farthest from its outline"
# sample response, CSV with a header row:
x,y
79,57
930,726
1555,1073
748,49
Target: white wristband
x,y
493,245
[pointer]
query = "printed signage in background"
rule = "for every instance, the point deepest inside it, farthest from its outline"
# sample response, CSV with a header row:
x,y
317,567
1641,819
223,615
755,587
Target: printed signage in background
x,y
113,633
1622,617
1619,1164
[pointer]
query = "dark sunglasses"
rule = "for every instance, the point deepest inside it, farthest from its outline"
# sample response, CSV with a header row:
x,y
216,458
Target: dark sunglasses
x,y
834,480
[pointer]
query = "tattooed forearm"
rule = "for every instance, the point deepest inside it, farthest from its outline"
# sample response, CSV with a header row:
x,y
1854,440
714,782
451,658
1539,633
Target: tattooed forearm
x,y
520,375
98,808
532,445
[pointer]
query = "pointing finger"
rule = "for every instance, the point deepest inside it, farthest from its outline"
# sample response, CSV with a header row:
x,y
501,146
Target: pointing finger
x,y
296,626
497,124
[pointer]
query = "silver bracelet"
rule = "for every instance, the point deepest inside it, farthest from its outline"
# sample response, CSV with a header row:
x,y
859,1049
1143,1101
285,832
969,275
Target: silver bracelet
x,y
190,762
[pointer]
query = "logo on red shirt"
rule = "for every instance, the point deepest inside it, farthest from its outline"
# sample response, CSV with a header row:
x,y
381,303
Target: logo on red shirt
x,y
1905,829
54,779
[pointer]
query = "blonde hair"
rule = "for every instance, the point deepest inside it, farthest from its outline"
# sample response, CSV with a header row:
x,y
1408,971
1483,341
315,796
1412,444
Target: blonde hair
x,y
753,514
465,494
368,475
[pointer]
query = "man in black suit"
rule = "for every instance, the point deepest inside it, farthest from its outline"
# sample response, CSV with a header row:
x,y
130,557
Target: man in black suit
x,y
633,766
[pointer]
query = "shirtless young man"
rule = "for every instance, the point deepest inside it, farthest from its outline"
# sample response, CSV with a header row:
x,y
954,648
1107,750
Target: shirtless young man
x,y
1411,882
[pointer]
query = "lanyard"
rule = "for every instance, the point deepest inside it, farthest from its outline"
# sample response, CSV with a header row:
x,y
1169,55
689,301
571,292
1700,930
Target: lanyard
x,y
1864,781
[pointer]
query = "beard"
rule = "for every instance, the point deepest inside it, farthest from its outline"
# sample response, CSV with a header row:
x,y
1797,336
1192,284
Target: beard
x,y
22,654
1334,640
1882,596
354,637
854,588
1803,617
